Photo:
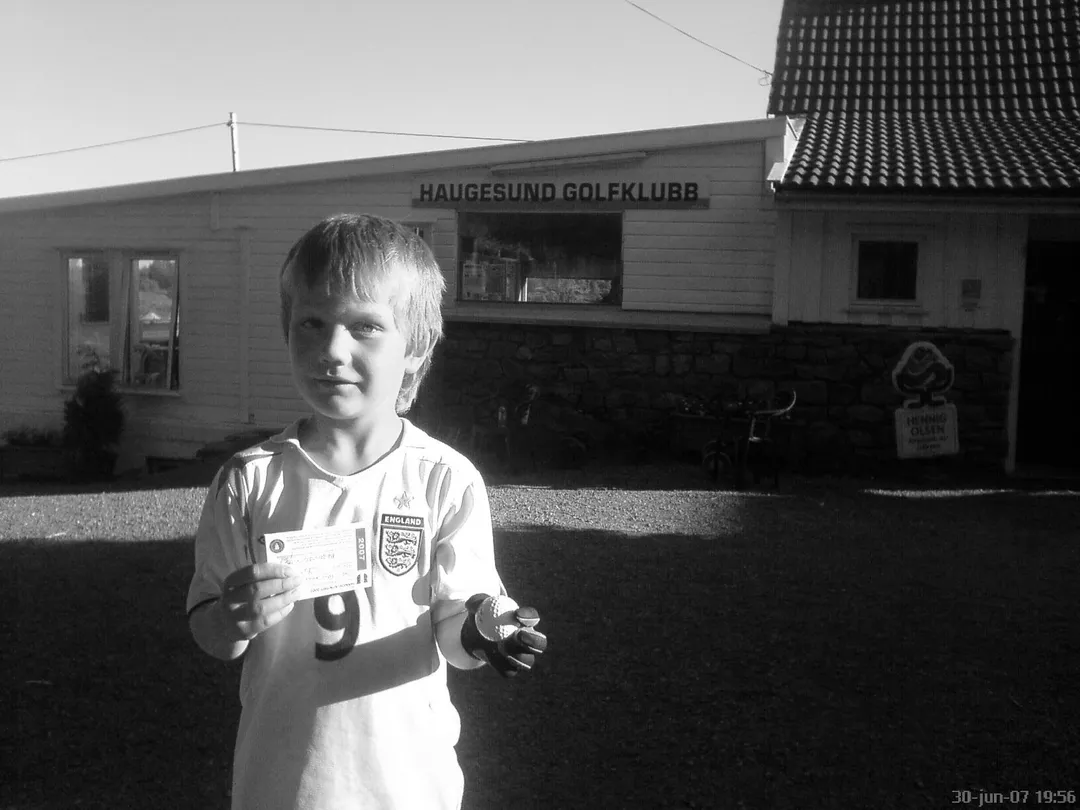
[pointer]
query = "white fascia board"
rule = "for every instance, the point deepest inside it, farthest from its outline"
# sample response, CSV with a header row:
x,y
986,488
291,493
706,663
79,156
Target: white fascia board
x,y
414,163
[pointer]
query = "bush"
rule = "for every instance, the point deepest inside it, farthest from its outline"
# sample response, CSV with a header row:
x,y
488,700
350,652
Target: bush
x,y
94,421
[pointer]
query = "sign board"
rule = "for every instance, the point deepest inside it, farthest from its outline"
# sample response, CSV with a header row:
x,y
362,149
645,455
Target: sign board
x,y
927,431
926,424
580,195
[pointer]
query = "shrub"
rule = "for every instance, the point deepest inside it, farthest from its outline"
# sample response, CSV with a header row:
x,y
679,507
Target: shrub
x,y
94,420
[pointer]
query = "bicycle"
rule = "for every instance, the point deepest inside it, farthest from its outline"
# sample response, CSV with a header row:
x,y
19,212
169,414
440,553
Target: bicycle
x,y
746,429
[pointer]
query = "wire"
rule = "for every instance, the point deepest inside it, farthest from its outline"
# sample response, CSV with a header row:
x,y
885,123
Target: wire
x,y
251,124
701,41
112,143
383,132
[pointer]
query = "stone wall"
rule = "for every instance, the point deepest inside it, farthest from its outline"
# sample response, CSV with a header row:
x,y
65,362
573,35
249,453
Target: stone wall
x,y
636,381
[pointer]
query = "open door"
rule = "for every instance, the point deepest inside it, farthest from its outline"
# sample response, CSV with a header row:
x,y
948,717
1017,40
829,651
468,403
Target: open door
x,y
1048,418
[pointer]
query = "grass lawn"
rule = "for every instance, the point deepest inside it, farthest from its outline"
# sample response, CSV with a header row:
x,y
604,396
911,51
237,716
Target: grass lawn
x,y
828,646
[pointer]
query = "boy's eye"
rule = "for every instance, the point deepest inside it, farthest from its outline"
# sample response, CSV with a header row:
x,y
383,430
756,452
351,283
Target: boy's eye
x,y
365,327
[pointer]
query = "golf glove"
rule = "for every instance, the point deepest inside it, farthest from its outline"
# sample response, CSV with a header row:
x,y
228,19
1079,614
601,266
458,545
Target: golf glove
x,y
513,654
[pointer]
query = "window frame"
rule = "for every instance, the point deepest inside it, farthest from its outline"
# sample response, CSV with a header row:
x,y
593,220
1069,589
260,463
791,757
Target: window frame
x,y
122,315
920,237
130,258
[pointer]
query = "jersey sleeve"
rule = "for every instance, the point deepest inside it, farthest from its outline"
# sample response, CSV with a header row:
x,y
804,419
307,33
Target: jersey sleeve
x,y
222,544
464,550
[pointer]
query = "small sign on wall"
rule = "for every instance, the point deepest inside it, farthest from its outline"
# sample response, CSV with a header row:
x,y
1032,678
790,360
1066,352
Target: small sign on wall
x,y
926,424
970,293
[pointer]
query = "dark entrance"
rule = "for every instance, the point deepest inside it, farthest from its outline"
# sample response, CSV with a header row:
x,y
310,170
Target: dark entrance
x,y
1048,423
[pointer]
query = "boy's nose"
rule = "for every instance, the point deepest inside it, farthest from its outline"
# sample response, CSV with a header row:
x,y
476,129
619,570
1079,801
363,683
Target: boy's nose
x,y
335,348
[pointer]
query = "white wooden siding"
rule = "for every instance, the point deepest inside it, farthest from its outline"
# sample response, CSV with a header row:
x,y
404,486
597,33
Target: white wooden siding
x,y
711,260
987,246
706,260
27,313
716,259
31,316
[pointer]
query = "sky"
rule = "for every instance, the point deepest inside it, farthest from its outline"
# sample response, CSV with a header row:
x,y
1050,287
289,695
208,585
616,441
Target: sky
x,y
78,74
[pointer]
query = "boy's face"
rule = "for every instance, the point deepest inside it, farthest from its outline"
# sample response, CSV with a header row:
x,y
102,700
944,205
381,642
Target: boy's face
x,y
348,357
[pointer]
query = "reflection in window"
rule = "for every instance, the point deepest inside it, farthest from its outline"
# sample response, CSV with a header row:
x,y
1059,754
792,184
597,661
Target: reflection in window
x,y
87,312
124,313
154,356
541,258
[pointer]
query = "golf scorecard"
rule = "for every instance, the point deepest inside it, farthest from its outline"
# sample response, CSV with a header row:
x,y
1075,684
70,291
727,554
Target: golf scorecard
x,y
330,560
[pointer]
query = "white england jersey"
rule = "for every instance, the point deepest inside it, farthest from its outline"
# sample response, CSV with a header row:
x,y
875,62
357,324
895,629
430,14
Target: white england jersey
x,y
344,702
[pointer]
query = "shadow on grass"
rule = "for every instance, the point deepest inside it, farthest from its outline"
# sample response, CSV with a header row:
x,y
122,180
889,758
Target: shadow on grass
x,y
843,652
111,704
833,649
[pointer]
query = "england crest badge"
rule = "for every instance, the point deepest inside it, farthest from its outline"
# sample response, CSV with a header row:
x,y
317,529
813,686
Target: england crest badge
x,y
400,538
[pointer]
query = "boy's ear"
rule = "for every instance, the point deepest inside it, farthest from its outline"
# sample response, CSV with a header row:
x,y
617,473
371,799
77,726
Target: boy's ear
x,y
420,354
413,362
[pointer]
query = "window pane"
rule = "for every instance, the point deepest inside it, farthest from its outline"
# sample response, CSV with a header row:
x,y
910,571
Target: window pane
x,y
88,314
545,258
887,270
97,293
155,344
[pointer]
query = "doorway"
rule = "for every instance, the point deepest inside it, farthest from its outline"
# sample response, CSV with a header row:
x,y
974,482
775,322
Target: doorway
x,y
1048,416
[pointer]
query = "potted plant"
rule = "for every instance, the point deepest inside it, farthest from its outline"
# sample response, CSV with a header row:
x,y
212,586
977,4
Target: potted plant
x,y
34,453
94,420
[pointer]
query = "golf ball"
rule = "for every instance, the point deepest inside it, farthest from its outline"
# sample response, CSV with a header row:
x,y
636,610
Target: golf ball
x,y
495,619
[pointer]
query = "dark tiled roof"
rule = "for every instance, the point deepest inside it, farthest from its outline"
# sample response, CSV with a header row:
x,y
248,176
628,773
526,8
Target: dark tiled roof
x,y
968,96
924,153
951,56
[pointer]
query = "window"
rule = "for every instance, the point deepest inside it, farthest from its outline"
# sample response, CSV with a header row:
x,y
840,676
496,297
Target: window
x,y
123,312
887,271
540,258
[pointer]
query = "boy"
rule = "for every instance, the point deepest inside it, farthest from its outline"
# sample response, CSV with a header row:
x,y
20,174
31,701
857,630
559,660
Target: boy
x,y
344,697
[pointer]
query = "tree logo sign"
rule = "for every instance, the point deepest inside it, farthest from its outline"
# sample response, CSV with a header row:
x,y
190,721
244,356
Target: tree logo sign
x,y
926,423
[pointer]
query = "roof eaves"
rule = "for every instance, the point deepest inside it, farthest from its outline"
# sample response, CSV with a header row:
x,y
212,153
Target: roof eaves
x,y
836,197
413,163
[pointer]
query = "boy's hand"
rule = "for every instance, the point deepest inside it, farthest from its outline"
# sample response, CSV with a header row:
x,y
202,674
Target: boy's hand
x,y
255,598
511,655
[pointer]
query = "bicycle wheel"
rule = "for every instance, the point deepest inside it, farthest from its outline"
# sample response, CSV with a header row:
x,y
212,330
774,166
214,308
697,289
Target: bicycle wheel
x,y
716,464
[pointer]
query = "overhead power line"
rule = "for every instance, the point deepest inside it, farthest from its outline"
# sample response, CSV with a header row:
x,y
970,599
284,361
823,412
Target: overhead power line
x,y
384,132
255,124
110,143
763,72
